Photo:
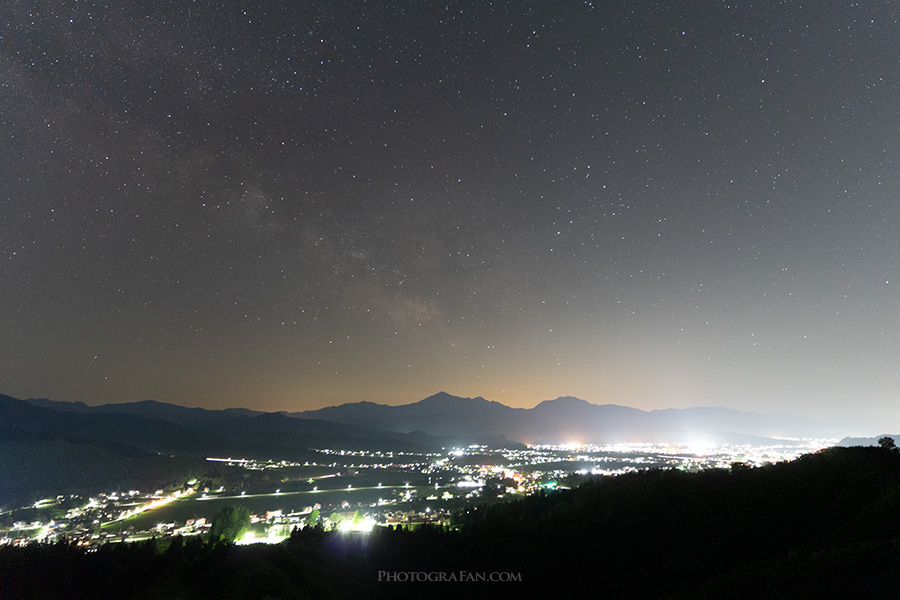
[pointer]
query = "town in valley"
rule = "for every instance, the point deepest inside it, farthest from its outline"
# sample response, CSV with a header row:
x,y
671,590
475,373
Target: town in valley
x,y
355,491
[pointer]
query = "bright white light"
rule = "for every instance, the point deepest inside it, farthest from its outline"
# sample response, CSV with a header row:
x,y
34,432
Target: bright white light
x,y
700,446
469,483
364,526
367,524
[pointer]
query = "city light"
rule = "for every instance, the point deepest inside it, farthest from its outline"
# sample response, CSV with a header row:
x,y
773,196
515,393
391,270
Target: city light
x,y
386,488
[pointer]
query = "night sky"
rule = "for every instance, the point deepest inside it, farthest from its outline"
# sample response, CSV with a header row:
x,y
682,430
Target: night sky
x,y
288,205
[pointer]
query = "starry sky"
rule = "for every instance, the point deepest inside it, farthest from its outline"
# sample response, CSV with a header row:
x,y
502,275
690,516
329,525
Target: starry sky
x,y
289,205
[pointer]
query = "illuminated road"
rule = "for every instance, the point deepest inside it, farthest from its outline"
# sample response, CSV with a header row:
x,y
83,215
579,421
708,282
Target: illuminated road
x,y
322,491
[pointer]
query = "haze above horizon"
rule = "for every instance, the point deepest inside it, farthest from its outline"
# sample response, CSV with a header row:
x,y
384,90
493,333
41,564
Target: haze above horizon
x,y
290,207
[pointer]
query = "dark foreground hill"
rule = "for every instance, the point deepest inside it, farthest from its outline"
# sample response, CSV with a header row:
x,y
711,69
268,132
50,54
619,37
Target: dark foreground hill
x,y
823,526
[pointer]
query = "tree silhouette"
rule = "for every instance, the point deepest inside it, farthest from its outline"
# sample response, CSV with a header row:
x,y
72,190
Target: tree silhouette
x,y
229,523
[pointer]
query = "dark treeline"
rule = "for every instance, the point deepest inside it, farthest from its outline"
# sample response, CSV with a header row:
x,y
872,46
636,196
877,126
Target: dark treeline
x,y
824,526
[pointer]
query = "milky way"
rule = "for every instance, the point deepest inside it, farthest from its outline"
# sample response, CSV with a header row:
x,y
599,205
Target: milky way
x,y
290,205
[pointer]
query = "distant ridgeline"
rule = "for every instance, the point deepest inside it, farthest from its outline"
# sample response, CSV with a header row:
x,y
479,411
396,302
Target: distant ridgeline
x,y
49,447
822,526
567,419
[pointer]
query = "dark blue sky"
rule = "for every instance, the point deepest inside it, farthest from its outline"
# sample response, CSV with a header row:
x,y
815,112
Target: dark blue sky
x,y
284,207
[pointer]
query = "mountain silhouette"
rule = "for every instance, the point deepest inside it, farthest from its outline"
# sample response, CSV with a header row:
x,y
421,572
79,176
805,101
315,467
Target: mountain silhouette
x,y
572,420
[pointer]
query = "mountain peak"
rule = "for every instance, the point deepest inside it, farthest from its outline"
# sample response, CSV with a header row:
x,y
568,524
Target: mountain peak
x,y
443,398
440,397
567,401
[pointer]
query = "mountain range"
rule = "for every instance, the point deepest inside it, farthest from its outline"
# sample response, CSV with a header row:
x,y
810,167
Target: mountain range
x,y
46,442
572,420
438,420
